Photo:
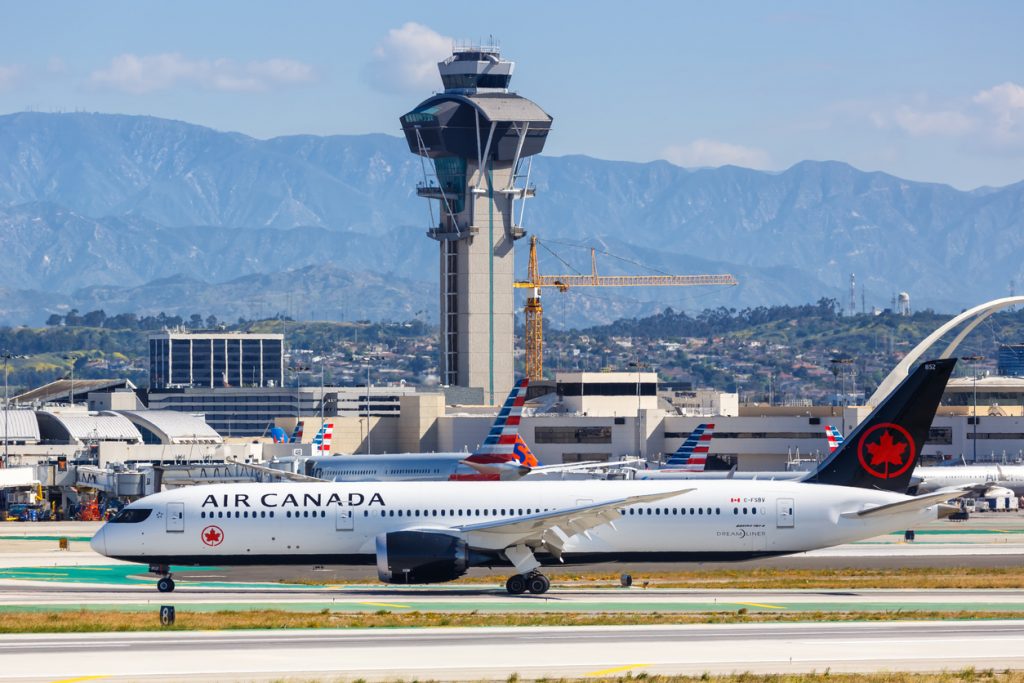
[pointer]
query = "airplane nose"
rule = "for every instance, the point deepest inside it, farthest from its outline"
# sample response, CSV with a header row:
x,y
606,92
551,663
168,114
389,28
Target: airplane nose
x,y
99,541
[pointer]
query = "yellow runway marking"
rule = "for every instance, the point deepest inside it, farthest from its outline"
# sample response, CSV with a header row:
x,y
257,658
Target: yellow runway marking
x,y
92,569
385,604
11,574
617,669
80,678
758,604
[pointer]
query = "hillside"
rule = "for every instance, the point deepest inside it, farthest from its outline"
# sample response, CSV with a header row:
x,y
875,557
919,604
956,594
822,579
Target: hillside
x,y
135,213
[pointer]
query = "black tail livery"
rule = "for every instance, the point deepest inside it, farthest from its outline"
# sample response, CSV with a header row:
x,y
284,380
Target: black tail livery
x,y
882,451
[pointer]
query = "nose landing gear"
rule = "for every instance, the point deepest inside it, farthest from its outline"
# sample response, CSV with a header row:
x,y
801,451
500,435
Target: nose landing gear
x,y
166,583
535,582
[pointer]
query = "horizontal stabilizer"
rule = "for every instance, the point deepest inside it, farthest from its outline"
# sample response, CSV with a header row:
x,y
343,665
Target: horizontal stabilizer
x,y
911,504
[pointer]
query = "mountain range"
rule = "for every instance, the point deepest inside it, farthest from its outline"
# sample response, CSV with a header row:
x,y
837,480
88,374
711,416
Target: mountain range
x,y
133,213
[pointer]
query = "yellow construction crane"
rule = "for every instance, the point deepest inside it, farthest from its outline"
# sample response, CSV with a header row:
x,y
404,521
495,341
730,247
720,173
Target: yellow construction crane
x,y
534,312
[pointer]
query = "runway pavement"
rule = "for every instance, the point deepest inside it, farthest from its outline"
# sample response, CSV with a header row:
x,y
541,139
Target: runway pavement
x,y
496,653
20,596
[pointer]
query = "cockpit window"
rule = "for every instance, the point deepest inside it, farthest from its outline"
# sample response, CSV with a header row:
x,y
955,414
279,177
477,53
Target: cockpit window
x,y
131,515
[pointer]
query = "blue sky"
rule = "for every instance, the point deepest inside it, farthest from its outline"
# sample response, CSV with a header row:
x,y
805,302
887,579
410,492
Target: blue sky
x,y
929,91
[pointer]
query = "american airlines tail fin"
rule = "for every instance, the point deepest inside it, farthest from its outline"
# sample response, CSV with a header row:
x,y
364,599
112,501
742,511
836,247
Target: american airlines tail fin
x,y
835,438
882,451
497,452
692,454
322,440
297,434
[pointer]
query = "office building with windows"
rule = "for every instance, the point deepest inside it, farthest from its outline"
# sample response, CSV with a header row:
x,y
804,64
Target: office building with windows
x,y
179,360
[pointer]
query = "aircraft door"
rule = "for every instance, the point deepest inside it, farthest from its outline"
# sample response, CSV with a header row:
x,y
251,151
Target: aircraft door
x,y
175,516
784,517
344,520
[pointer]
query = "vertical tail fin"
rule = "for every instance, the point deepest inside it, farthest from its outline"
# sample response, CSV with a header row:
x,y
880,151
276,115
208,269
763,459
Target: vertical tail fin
x,y
692,454
322,440
835,438
523,453
499,446
882,451
297,434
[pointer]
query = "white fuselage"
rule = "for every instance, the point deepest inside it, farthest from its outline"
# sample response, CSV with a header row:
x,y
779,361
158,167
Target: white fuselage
x,y
669,473
934,478
318,523
402,467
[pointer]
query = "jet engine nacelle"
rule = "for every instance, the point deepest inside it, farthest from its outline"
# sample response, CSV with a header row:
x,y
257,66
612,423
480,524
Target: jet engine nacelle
x,y
420,557
998,492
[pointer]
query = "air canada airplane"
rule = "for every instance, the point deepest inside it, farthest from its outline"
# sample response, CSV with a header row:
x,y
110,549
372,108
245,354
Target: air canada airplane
x,y
429,532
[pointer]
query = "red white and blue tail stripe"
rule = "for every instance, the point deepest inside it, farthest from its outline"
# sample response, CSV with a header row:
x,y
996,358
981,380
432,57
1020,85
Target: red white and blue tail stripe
x,y
835,438
692,455
297,434
322,440
500,445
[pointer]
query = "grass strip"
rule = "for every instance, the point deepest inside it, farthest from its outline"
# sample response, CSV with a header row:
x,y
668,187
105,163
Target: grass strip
x,y
771,578
91,621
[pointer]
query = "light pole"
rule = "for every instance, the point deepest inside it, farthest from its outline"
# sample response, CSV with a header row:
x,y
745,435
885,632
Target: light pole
x,y
7,356
71,396
369,448
974,446
639,439
837,370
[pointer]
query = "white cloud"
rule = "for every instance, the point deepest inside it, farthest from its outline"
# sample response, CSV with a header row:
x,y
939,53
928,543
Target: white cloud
x,y
406,60
705,152
148,73
992,118
9,75
1006,103
919,123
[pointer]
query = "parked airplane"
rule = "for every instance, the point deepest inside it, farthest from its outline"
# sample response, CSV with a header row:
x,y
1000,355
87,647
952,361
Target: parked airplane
x,y
432,532
834,437
279,435
692,454
481,465
322,439
984,481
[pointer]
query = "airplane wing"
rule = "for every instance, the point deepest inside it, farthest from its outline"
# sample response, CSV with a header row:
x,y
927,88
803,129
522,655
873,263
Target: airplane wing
x,y
915,503
290,476
552,529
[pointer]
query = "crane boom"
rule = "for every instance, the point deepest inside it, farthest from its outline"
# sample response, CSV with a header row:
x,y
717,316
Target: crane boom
x,y
534,311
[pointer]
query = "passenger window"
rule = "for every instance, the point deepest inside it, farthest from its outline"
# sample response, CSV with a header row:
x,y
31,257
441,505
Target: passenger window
x,y
718,511
202,515
735,511
744,510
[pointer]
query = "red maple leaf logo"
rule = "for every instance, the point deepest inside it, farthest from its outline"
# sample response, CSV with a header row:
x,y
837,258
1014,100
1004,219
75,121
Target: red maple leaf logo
x,y
212,535
886,451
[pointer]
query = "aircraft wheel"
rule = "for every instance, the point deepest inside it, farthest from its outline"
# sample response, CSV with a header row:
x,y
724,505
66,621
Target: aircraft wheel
x,y
516,585
538,584
165,585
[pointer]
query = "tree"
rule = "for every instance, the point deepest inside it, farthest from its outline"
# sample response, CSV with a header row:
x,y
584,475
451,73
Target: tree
x,y
94,318
195,321
54,319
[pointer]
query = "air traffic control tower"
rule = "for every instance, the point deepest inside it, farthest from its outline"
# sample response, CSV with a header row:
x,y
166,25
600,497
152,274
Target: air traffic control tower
x,y
481,139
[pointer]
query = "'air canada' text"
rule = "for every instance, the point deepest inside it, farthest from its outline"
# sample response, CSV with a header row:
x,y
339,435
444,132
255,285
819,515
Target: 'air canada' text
x,y
274,499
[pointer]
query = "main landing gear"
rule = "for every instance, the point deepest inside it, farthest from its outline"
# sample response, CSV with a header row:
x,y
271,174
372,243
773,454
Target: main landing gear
x,y
535,582
166,583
